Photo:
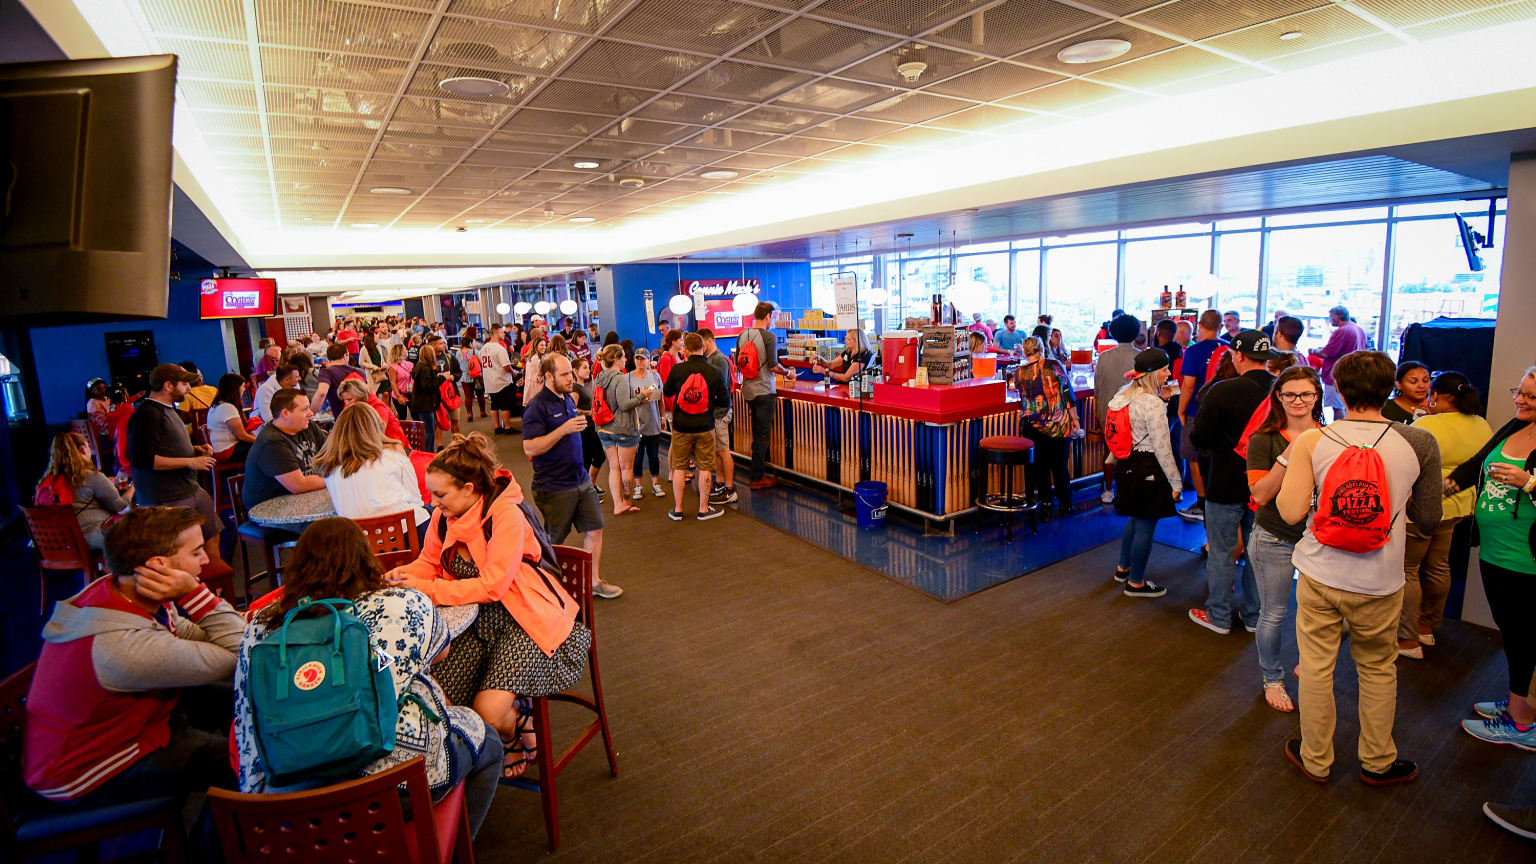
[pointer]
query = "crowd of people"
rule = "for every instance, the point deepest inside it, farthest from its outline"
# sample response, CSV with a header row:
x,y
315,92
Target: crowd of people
x,y
1341,475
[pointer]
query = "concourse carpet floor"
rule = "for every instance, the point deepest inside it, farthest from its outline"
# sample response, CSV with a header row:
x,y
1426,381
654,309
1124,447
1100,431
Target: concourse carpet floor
x,y
774,702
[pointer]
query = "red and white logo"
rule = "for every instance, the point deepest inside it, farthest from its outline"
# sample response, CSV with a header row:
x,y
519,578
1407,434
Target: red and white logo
x,y
209,286
235,301
309,675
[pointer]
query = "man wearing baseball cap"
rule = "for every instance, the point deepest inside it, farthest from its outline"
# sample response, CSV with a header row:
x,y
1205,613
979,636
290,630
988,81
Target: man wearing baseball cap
x,y
165,463
1225,410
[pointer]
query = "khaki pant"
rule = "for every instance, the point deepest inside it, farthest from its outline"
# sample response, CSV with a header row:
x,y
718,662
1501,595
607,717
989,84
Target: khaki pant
x,y
1427,569
1321,612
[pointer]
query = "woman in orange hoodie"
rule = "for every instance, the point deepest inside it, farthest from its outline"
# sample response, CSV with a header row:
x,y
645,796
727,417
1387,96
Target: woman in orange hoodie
x,y
481,553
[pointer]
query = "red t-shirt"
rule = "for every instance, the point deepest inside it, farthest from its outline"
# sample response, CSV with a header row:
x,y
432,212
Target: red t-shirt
x,y
350,339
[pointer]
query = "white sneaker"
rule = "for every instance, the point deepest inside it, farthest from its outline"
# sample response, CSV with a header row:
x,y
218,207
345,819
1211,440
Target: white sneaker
x,y
635,496
1107,497
656,490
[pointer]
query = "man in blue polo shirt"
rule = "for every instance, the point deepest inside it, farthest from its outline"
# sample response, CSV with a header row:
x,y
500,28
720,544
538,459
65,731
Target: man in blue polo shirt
x,y
1009,338
562,489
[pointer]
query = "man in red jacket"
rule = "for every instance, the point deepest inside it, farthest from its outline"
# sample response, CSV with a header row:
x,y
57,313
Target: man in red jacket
x,y
104,722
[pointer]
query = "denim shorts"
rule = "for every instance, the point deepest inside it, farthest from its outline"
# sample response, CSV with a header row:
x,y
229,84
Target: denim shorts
x,y
611,440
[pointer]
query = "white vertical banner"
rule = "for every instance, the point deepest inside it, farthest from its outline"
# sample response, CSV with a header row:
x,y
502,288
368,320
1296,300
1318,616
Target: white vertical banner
x,y
650,312
845,295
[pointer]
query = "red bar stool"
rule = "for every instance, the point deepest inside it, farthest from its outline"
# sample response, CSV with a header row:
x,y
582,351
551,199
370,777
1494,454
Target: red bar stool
x,y
1009,452
393,538
60,546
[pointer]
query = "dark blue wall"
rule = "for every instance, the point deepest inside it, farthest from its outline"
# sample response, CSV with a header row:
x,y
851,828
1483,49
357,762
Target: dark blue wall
x,y
67,357
785,283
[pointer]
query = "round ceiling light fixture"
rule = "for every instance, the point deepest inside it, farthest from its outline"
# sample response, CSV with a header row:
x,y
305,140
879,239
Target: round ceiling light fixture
x,y
584,163
744,304
502,308
1292,34
680,304
474,87
1093,51
567,307
719,174
542,307
523,307
631,183
583,219
390,190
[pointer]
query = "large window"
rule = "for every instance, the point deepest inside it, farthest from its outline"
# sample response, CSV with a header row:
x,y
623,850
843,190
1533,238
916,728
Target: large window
x,y
1431,279
1316,260
1151,265
1080,289
1312,270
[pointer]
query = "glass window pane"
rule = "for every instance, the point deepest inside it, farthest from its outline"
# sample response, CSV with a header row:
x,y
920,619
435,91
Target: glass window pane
x,y
821,288
1080,290
1431,278
1318,217
925,252
1239,224
1237,268
1067,239
1445,208
1029,243
1312,270
1152,264
920,280
981,285
1026,288
981,247
1168,230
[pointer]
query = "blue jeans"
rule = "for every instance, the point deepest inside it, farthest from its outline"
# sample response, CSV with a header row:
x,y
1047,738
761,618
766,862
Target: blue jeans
x,y
1271,559
480,772
1136,547
1222,524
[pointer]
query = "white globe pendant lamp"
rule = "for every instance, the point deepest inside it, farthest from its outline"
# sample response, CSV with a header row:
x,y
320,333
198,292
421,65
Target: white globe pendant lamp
x,y
743,304
502,308
523,307
541,307
568,307
680,304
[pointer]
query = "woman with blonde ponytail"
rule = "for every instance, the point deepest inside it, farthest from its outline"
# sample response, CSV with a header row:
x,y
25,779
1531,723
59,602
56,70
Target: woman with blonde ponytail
x,y
481,551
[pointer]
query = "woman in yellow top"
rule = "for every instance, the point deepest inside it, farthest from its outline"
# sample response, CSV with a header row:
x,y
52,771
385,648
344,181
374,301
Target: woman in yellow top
x,y
1453,419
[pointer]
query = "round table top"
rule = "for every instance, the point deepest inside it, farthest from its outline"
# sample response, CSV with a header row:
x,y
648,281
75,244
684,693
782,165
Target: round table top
x,y
300,509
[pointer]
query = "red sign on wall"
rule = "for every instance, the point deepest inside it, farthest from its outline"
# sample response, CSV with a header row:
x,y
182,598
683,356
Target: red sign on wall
x,y
237,298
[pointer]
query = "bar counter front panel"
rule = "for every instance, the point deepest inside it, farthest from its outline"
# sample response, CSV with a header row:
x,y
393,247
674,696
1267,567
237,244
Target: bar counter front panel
x,y
922,442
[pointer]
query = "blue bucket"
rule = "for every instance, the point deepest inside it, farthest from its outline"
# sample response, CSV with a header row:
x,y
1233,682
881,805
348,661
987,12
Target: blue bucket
x,y
871,503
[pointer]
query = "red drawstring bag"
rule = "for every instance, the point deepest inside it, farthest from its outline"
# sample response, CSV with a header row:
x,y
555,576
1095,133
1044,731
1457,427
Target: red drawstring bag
x,y
1353,505
451,400
1117,431
1260,414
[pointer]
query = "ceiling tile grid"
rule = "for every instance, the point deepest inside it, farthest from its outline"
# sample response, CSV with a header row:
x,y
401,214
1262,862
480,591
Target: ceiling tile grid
x,y
326,97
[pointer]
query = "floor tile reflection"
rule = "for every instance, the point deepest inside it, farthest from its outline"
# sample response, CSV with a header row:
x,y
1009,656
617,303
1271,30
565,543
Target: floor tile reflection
x,y
947,568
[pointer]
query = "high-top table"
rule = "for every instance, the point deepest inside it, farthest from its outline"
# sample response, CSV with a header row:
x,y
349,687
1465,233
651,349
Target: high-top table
x,y
294,511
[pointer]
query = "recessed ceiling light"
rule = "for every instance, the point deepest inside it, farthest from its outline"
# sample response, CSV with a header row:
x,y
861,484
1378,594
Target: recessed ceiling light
x,y
365,224
719,174
390,190
583,219
1292,34
1093,51
585,163
474,86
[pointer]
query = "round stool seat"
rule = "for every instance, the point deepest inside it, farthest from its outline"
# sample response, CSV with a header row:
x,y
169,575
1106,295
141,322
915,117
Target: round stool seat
x,y
1006,442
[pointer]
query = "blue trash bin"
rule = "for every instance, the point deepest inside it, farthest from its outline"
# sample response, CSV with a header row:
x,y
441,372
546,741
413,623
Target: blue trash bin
x,y
871,503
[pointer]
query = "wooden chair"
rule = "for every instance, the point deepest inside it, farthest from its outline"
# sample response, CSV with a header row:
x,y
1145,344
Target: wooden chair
x,y
60,545
31,828
393,537
415,433
270,539
359,820
576,578
225,467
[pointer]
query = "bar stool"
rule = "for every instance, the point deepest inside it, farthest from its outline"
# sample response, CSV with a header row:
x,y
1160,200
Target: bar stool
x,y
1009,452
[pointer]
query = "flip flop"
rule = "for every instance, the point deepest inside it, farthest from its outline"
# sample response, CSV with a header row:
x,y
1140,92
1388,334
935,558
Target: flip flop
x,y
630,509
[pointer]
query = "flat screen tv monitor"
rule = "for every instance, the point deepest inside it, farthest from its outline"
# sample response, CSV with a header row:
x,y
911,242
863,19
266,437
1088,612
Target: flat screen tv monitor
x,y
85,224
237,298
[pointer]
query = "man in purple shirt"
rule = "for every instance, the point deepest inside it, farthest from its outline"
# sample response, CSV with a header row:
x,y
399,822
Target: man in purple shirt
x,y
1347,338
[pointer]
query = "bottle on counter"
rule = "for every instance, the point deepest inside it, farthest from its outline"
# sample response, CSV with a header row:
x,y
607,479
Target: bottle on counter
x,y
1167,298
1181,299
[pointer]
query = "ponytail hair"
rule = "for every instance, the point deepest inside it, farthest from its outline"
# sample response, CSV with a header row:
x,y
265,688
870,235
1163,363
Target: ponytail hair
x,y
1457,388
471,459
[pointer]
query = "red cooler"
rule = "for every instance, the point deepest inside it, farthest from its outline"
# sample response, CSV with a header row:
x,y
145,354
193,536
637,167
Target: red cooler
x,y
898,355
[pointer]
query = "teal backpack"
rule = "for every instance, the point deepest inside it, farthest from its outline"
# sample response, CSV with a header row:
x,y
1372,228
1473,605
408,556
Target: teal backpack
x,y
322,703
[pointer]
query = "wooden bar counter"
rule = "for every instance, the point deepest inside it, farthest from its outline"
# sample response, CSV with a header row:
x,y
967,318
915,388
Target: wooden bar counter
x,y
920,441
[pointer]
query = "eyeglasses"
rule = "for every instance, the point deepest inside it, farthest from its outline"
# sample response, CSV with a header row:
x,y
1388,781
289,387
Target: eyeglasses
x,y
1517,393
1295,398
